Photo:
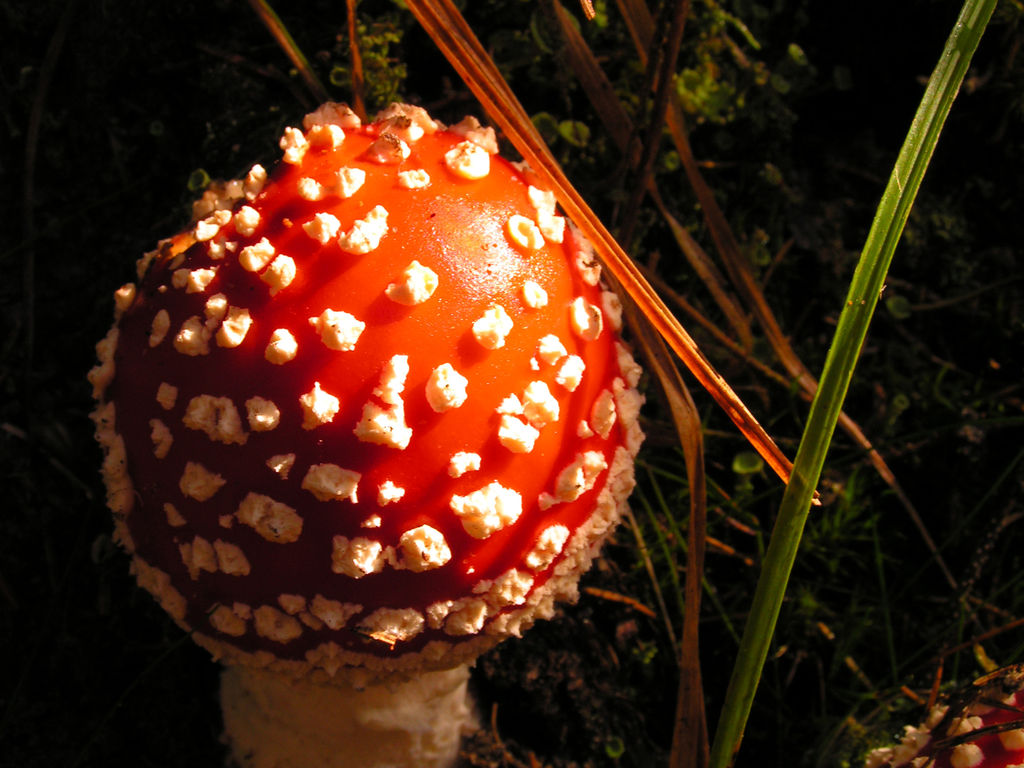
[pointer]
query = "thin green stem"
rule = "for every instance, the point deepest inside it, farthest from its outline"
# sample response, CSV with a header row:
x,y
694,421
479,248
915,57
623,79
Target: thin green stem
x,y
868,281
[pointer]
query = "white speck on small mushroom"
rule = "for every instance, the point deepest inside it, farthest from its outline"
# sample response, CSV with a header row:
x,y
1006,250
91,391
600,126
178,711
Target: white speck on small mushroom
x,y
539,406
322,227
281,348
388,493
275,625
356,557
510,405
416,178
263,414
516,435
275,521
332,113
493,327
338,330
279,274
393,624
334,613
401,126
602,414
212,199
217,417
199,483
166,395
468,160
510,588
534,296
550,349
386,426
570,372
365,234
281,464
325,137
225,621
541,199
424,548
231,559
471,130
1012,739
233,330
611,305
216,250
123,298
467,619
576,479
310,189
254,181
349,181
255,257
551,226
174,517
318,407
161,324
446,388
158,584
629,367
437,612
291,604
462,462
102,374
247,219
419,121
161,437
329,482
548,546
215,308
966,756
313,657
628,402
207,228
294,144
586,262
193,280
417,284
585,318
524,232
387,149
488,509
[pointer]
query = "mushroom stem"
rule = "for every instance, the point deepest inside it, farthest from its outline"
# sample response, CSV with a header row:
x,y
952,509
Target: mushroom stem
x,y
275,721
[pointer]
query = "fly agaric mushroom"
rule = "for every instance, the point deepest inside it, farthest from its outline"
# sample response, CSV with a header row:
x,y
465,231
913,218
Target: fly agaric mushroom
x,y
983,727
369,416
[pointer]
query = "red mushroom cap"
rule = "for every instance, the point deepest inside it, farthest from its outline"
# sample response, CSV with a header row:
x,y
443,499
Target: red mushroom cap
x,y
982,727
371,409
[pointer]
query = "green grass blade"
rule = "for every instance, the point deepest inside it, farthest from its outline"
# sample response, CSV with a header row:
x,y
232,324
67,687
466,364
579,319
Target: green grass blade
x,y
867,284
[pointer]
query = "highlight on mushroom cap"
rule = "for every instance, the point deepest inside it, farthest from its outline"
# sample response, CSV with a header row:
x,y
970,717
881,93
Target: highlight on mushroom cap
x,y
371,408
